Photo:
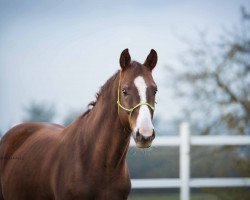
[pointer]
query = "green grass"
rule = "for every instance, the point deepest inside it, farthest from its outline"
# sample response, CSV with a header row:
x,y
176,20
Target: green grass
x,y
170,197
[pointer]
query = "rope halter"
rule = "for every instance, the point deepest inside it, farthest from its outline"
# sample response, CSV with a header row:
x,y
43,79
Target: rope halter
x,y
130,110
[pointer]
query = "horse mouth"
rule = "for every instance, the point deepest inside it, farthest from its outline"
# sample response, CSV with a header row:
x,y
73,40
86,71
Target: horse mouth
x,y
142,145
143,141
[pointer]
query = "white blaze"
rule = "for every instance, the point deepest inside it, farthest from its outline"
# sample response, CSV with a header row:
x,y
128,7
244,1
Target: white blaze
x,y
143,121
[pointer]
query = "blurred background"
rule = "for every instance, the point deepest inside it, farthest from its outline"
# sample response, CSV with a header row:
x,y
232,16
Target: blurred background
x,y
55,55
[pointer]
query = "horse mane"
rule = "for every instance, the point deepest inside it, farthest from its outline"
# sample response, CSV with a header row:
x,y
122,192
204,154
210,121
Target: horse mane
x,y
101,92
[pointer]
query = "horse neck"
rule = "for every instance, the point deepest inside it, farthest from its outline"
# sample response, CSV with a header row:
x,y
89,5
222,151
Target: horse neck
x,y
100,133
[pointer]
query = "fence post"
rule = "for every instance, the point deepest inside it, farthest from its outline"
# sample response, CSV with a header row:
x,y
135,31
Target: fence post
x,y
184,161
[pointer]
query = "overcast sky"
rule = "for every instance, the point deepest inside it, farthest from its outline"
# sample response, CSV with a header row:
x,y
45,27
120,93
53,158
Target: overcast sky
x,y
61,52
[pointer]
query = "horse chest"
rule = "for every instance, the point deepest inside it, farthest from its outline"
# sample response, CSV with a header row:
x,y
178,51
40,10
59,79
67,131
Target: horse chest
x,y
99,188
86,192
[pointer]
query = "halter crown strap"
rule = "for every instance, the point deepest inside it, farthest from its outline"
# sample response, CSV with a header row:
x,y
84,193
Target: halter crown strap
x,y
130,110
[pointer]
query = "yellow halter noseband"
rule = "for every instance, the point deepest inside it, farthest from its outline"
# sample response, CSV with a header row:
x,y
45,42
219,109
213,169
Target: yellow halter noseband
x,y
130,110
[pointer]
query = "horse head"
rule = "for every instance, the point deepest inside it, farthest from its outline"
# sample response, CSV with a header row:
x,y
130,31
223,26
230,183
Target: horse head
x,y
136,97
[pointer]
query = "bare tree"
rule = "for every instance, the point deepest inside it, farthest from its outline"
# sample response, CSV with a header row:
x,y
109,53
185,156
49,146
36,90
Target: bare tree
x,y
39,112
214,84
215,81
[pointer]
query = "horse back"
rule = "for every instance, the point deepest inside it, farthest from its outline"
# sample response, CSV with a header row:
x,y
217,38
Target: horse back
x,y
18,135
26,141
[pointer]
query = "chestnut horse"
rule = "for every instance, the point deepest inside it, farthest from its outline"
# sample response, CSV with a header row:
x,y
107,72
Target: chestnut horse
x,y
87,159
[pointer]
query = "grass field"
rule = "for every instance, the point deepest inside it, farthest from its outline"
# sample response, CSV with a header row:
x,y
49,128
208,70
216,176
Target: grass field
x,y
171,197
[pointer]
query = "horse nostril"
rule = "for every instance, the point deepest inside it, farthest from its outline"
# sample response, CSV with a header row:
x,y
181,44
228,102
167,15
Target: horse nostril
x,y
153,135
138,135
141,137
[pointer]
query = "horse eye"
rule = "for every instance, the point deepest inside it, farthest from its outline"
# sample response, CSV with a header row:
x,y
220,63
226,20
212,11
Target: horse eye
x,y
124,92
155,91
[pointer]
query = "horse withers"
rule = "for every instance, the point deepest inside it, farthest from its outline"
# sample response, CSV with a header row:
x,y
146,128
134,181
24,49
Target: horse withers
x,y
87,159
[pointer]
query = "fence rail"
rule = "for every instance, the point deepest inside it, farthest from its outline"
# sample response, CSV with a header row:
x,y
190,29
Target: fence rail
x,y
185,141
194,183
200,140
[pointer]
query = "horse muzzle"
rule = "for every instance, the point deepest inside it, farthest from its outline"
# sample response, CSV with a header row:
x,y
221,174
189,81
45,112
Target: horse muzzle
x,y
144,141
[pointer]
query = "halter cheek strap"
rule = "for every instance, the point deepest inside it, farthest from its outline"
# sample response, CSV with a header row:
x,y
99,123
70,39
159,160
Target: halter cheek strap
x,y
130,110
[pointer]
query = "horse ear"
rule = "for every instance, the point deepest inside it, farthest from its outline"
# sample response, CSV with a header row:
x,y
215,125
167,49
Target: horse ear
x,y
151,60
125,59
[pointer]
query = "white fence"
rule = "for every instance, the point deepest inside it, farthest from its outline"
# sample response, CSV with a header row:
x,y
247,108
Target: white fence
x,y
184,141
